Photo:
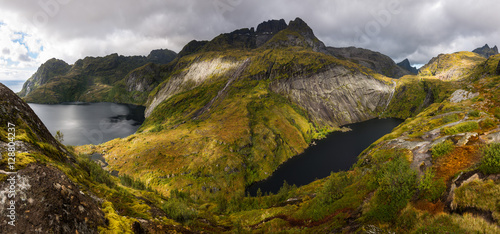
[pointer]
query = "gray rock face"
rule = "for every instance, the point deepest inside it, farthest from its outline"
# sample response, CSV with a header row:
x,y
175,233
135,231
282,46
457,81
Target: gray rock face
x,y
271,26
266,30
337,96
462,95
376,61
143,79
486,51
405,64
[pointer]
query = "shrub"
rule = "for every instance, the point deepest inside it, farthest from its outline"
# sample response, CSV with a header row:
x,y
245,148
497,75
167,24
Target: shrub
x,y
490,164
442,148
396,185
333,190
475,113
430,188
487,124
95,171
176,207
461,127
133,183
178,210
450,118
59,136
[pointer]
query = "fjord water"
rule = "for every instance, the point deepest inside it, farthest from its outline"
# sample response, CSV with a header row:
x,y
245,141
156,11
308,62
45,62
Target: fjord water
x,y
338,151
90,123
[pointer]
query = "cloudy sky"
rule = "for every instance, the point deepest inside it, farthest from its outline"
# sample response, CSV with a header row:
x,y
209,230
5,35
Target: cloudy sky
x,y
33,31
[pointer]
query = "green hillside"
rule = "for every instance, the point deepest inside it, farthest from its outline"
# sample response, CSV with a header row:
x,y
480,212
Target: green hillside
x,y
96,79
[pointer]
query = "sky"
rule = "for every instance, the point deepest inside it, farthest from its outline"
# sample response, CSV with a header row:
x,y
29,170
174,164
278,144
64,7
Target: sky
x,y
33,31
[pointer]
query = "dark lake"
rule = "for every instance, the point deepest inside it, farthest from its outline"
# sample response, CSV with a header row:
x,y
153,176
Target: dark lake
x,y
338,151
90,123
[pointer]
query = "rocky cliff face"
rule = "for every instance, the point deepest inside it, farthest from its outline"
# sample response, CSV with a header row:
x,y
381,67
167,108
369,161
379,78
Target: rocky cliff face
x,y
267,29
486,51
376,61
405,64
338,95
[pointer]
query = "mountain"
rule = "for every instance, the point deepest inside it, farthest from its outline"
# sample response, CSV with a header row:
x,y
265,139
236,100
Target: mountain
x,y
486,51
405,64
454,66
95,79
374,60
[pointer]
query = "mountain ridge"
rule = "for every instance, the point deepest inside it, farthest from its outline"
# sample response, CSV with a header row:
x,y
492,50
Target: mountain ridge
x,y
486,51
92,79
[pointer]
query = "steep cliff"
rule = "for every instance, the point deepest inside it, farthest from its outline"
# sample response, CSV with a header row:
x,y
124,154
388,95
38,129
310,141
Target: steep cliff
x,y
337,95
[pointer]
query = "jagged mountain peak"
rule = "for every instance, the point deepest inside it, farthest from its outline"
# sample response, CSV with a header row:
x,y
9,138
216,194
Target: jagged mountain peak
x,y
300,25
271,26
486,51
405,64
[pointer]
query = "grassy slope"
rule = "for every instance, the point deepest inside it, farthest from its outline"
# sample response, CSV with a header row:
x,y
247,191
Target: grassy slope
x,y
252,131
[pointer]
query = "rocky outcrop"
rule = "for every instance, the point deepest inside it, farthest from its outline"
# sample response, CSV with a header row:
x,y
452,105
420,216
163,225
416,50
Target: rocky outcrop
x,y
376,61
271,26
266,30
337,96
405,64
47,201
462,95
486,51
53,67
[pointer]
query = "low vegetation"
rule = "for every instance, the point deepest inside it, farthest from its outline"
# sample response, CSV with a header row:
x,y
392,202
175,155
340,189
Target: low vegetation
x,y
490,164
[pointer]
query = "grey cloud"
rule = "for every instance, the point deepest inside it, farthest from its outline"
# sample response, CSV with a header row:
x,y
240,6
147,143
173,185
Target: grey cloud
x,y
6,51
24,58
418,30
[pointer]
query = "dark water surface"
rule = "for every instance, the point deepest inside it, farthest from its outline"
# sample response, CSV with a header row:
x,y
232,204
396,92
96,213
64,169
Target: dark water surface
x,y
338,151
90,123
